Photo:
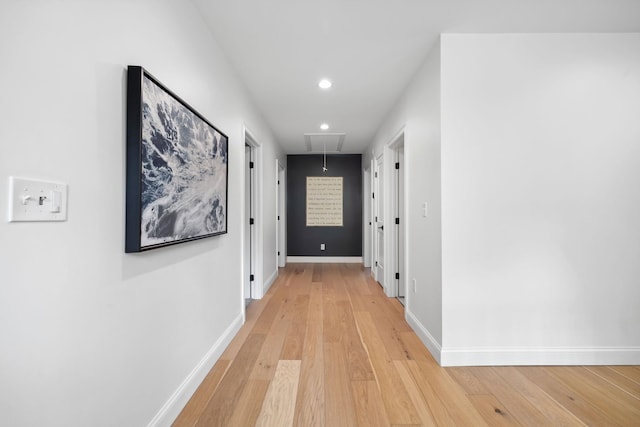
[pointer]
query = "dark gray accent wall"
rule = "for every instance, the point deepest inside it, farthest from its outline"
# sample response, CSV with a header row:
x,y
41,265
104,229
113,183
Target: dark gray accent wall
x,y
339,241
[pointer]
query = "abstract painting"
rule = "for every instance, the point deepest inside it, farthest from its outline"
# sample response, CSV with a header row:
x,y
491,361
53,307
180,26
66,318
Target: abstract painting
x,y
177,168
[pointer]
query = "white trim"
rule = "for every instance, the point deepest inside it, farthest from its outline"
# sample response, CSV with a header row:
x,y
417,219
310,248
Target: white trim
x,y
391,232
258,214
395,141
281,209
380,189
172,407
277,222
367,221
270,281
427,339
522,356
326,259
372,210
407,224
246,265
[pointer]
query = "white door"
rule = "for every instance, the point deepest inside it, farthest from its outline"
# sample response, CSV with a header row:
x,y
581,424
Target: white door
x,y
367,223
379,221
400,232
281,247
248,241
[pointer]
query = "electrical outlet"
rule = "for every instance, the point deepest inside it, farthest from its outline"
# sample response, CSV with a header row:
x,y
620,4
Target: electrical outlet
x,y
322,246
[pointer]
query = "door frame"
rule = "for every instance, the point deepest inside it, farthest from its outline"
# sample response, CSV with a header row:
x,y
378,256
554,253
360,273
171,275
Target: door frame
x,y
281,216
257,287
247,232
372,207
393,237
379,185
367,256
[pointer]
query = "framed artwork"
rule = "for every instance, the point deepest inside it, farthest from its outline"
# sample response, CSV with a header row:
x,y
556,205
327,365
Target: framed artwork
x,y
324,201
177,168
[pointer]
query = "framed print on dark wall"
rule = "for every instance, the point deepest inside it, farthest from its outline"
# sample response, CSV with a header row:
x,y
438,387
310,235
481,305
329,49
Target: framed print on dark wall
x,y
177,168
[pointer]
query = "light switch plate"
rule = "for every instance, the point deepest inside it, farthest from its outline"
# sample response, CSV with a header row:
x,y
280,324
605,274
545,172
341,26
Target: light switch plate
x,y
36,200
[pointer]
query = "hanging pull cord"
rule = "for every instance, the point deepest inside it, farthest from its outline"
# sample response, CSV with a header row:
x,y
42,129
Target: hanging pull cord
x,y
324,164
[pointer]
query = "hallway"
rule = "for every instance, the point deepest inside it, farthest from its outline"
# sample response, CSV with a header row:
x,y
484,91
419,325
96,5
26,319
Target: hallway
x,y
325,347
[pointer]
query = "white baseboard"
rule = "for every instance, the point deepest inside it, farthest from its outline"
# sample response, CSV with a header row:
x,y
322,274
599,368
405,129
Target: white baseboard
x,y
427,339
527,356
269,282
326,259
523,356
171,409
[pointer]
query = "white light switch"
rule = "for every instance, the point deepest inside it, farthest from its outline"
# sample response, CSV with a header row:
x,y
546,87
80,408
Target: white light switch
x,y
35,200
56,199
424,209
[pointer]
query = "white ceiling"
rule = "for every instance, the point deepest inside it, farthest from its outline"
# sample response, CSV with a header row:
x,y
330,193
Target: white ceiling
x,y
369,49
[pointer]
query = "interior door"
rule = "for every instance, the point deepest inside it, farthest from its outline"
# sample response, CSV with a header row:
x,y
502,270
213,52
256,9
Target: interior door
x,y
367,220
400,232
248,241
281,248
379,220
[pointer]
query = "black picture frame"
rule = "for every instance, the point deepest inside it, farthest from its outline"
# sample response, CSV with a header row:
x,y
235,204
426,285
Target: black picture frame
x,y
177,169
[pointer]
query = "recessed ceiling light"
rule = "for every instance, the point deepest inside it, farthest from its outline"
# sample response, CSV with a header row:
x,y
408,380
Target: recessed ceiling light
x,y
324,84
324,126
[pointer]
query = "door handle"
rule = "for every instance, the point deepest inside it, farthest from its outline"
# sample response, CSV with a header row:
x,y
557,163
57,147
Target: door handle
x,y
381,227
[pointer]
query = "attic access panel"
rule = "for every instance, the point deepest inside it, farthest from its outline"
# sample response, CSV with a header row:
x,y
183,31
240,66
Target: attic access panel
x,y
320,142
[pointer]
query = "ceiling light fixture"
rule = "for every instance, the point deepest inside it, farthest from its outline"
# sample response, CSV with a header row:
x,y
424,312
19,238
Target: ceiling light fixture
x,y
324,84
324,126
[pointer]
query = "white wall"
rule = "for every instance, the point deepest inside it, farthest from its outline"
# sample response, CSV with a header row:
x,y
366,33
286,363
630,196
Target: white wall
x,y
540,200
532,145
418,112
89,335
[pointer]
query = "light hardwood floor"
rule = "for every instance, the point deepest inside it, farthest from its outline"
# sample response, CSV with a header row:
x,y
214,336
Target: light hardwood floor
x,y
325,347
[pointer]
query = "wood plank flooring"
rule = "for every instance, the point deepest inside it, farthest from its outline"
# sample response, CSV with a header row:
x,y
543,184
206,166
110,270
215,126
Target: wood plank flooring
x,y
325,347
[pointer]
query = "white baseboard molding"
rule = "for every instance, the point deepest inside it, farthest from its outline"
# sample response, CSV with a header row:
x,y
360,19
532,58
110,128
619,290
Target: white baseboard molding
x,y
269,282
523,356
528,356
326,259
172,408
427,339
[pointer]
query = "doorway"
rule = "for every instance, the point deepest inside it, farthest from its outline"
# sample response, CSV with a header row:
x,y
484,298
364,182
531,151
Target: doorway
x,y
249,238
378,196
253,213
281,250
366,223
398,225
